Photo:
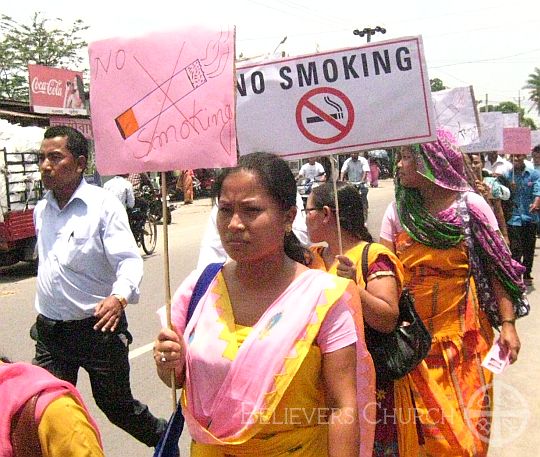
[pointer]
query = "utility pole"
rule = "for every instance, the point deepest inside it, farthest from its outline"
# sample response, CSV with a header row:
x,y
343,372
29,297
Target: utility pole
x,y
487,106
518,99
369,32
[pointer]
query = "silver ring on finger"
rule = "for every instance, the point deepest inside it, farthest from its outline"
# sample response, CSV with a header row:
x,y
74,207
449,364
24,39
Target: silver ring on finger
x,y
163,358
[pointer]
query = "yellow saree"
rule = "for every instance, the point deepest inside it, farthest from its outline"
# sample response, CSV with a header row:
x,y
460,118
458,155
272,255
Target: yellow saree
x,y
452,391
296,427
275,402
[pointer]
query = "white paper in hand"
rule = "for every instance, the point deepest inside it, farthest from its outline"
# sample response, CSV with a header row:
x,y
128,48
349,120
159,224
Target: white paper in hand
x,y
497,358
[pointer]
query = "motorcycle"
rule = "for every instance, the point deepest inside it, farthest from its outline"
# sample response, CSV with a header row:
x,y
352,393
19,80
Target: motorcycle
x,y
203,183
143,225
304,186
152,197
385,168
205,178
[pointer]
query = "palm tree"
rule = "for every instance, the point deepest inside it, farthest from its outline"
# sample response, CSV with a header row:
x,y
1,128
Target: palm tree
x,y
533,84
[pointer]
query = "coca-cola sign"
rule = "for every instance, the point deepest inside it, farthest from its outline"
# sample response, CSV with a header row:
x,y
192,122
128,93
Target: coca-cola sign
x,y
50,87
56,90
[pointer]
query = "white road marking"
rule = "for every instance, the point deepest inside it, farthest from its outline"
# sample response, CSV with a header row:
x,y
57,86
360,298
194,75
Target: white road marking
x,y
140,351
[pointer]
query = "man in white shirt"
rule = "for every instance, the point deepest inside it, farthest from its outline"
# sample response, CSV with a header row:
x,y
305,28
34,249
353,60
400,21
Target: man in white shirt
x,y
312,170
354,169
89,268
496,164
122,189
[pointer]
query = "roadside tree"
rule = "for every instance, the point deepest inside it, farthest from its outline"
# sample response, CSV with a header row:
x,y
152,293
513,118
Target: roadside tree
x,y
533,84
437,85
42,42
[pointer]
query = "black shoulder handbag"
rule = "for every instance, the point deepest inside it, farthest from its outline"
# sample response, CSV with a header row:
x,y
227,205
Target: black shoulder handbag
x,y
399,352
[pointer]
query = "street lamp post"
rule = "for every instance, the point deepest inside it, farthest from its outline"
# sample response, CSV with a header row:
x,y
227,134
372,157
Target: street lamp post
x,y
369,32
280,43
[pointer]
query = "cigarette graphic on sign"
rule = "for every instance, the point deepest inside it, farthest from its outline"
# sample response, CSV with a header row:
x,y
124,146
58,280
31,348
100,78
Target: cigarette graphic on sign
x,y
178,86
329,101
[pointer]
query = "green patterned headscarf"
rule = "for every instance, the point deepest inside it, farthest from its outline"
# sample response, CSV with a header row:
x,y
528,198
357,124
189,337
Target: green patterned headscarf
x,y
442,163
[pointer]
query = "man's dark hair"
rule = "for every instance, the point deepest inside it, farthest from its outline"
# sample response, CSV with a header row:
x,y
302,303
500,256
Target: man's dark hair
x,y
76,143
536,148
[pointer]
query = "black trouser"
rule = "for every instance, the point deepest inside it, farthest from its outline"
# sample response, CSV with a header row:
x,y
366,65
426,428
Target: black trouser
x,y
64,346
523,243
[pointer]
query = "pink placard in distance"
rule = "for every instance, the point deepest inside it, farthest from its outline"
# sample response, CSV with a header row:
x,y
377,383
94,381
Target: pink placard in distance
x,y
517,140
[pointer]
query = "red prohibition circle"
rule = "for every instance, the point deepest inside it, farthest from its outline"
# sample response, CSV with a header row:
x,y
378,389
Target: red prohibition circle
x,y
343,129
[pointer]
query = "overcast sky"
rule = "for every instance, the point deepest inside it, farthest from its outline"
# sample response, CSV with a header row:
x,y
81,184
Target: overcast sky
x,y
492,45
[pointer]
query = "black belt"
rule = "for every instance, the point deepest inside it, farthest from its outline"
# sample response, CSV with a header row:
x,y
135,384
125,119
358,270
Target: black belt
x,y
78,323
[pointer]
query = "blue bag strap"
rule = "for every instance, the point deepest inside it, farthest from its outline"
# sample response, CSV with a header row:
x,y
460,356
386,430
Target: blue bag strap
x,y
168,443
201,286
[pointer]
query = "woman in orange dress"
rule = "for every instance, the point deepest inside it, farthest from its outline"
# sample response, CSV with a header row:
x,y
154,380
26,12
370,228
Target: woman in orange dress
x,y
463,279
187,186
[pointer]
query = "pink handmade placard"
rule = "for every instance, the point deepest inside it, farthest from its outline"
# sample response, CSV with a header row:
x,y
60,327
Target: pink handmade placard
x,y
517,140
164,101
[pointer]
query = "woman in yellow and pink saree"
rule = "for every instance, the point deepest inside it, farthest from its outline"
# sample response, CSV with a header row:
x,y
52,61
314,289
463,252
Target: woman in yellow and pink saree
x,y
273,360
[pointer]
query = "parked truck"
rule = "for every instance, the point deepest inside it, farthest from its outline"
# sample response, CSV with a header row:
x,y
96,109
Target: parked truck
x,y
20,189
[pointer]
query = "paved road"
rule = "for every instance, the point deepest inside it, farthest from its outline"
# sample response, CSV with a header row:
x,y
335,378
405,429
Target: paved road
x,y
517,400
